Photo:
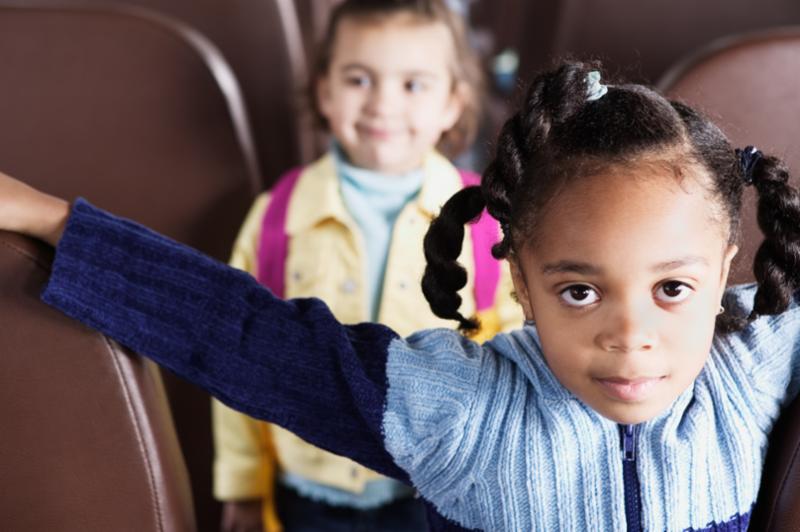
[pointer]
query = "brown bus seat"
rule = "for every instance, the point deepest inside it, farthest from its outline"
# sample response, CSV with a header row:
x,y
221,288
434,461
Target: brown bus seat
x,y
88,443
262,42
750,85
141,115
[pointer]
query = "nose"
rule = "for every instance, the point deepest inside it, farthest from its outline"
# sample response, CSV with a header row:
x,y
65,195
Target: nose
x,y
629,329
384,99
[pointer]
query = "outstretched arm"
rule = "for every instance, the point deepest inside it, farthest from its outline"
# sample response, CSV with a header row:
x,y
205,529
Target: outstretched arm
x,y
290,363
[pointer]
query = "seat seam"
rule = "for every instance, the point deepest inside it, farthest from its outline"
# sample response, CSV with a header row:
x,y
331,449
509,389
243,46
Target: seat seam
x,y
18,250
154,488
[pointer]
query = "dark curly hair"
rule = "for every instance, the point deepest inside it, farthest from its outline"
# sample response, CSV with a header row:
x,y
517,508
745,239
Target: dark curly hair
x,y
557,135
465,68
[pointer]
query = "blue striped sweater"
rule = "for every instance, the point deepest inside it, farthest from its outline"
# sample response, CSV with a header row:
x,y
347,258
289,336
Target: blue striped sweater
x,y
486,433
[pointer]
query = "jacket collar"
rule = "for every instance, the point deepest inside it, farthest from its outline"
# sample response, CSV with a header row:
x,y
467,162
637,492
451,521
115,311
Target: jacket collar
x,y
318,186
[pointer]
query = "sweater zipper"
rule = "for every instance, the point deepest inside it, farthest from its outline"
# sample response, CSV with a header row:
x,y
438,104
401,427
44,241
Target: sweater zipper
x,y
633,508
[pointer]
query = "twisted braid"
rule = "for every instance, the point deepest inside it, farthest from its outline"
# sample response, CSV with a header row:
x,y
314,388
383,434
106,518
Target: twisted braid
x,y
551,99
777,261
444,276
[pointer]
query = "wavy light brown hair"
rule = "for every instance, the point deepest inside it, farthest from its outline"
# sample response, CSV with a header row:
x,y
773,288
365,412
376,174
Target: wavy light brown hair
x,y
465,68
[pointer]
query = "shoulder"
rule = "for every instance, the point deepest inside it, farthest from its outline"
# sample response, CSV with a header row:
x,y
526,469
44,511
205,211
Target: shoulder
x,y
447,351
441,180
767,350
766,331
452,356
438,379
259,206
449,398
243,254
442,351
295,179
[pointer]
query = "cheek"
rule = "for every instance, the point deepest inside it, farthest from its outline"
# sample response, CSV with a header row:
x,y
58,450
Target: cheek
x,y
429,115
344,107
343,127
565,352
692,324
688,340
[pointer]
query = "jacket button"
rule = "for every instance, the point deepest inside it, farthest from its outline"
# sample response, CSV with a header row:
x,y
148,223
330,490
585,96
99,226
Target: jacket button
x,y
349,286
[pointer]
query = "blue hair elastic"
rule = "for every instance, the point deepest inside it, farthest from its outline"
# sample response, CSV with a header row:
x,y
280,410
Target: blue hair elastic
x,y
748,158
594,89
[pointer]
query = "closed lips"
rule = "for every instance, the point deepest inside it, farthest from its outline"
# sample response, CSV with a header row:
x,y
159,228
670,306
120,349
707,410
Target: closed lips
x,y
629,390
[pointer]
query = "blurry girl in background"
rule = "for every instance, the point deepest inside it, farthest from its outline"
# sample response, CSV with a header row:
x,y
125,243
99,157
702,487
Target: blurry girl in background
x,y
394,83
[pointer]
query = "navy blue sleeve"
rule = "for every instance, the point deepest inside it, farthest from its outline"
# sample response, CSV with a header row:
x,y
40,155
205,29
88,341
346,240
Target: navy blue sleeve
x,y
288,362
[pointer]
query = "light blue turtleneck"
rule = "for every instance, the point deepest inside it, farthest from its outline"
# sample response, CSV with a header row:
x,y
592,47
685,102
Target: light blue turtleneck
x,y
375,200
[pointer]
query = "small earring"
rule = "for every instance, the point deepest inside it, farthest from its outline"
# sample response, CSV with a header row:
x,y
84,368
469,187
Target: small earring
x,y
721,310
529,323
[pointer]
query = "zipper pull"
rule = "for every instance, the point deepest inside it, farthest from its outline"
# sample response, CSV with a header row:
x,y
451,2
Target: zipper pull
x,y
628,443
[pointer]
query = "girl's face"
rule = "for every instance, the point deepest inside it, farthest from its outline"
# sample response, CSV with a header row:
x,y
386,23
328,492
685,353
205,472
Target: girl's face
x,y
624,281
388,94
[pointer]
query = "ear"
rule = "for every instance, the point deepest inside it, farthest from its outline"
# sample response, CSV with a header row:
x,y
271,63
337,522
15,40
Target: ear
x,y
324,98
521,288
730,253
456,103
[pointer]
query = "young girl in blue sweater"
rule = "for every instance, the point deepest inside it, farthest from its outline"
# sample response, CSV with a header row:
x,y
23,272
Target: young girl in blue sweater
x,y
639,395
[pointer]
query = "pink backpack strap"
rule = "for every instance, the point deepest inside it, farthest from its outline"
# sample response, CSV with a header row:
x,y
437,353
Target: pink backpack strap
x,y
273,247
485,233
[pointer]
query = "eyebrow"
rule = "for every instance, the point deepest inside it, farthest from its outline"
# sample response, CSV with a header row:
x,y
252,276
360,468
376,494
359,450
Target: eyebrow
x,y
359,66
585,268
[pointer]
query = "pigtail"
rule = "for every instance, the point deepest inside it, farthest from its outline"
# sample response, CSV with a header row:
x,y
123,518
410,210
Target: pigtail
x,y
550,99
777,261
444,276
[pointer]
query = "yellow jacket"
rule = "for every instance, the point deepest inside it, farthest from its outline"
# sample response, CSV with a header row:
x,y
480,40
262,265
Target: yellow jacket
x,y
325,259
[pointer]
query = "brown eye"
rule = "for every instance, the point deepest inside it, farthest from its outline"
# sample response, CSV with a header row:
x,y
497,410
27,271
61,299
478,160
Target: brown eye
x,y
579,295
358,80
414,86
673,292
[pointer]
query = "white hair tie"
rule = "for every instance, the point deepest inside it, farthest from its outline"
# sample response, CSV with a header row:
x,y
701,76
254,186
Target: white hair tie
x,y
594,89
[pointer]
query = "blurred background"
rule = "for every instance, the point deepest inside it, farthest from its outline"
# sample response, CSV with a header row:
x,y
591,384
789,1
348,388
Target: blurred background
x,y
178,112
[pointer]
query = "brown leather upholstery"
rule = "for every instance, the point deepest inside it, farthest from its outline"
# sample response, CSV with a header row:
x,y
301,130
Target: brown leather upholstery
x,y
143,117
138,114
263,44
778,507
750,86
640,39
88,443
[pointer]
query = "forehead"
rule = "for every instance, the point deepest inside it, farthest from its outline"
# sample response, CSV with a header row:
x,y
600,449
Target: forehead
x,y
629,216
393,42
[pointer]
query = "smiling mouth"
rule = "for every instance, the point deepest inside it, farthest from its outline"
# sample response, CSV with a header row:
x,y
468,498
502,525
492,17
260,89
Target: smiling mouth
x,y
629,390
377,132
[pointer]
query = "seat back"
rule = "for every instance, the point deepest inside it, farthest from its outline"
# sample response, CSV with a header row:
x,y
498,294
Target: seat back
x,y
132,110
749,86
639,39
262,42
88,442
142,116
778,506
